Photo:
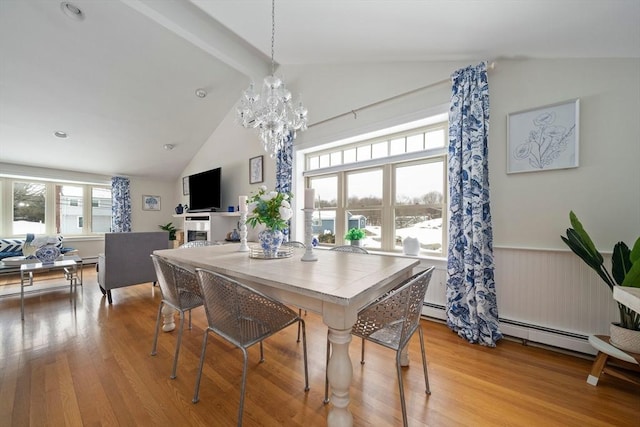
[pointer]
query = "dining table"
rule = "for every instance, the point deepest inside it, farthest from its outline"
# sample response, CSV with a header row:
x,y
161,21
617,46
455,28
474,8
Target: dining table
x,y
336,286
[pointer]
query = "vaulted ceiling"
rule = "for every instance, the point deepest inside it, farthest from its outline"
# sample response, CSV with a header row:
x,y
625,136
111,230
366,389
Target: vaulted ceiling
x,y
121,81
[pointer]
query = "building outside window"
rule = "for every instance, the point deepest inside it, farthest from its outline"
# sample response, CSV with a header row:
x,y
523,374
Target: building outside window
x,y
392,186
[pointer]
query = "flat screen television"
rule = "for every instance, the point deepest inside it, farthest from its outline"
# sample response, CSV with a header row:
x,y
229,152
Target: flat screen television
x,y
204,191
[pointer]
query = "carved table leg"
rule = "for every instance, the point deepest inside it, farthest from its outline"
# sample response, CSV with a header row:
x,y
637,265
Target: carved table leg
x,y
340,373
168,323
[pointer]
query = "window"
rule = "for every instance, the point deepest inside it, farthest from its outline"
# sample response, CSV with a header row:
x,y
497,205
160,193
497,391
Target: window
x,y
392,186
54,208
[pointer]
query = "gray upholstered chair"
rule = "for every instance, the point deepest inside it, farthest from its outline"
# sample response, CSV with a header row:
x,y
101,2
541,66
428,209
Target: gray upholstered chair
x,y
391,321
181,292
244,317
126,261
350,248
198,243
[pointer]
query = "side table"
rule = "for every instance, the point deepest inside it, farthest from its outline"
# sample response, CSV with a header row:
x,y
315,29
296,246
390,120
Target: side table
x,y
605,351
69,266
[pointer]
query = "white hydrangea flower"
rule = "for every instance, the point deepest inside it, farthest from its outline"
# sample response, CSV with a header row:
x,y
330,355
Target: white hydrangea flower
x,y
285,213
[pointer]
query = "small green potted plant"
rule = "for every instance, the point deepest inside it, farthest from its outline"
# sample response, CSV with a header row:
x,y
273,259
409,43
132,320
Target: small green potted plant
x,y
625,271
354,235
172,231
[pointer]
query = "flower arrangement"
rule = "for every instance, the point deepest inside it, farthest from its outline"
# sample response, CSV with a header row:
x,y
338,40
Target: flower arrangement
x,y
270,208
355,234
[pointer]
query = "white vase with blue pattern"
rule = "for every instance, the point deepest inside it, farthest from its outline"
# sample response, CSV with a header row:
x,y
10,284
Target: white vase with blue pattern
x,y
47,254
270,241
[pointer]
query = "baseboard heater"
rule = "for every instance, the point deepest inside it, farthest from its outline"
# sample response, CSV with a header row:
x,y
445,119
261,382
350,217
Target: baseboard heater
x,y
528,332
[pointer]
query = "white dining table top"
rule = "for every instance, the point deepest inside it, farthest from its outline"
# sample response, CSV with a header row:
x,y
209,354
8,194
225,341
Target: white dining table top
x,y
337,277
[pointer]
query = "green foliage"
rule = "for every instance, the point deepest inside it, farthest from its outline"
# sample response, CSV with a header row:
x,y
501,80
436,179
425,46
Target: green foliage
x,y
270,208
625,265
355,234
171,229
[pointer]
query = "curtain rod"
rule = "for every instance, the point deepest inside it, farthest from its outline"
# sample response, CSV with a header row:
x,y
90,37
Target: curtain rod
x,y
490,66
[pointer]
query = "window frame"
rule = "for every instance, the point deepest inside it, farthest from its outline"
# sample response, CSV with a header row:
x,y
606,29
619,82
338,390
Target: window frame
x,y
389,165
6,194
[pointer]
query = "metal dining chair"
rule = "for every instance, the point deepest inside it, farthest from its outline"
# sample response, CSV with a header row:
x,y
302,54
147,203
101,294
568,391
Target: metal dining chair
x,y
391,321
350,248
243,317
180,291
198,243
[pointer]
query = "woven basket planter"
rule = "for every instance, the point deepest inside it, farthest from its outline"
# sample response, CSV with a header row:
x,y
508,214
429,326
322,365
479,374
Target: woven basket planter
x,y
625,339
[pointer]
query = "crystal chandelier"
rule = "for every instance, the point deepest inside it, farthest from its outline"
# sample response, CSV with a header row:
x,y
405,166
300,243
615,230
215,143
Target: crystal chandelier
x,y
271,111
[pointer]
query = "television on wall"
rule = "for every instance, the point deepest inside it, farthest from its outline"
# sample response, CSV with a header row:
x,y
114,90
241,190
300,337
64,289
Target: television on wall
x,y
204,191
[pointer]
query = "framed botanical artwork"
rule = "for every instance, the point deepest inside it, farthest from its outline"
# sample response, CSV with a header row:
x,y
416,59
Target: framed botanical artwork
x,y
150,203
256,173
543,138
185,186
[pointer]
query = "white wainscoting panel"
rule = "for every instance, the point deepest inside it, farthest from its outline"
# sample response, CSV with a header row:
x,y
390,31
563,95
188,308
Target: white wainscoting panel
x,y
546,296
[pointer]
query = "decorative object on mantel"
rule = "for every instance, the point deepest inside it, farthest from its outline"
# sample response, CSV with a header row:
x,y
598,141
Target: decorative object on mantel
x,y
274,211
179,209
625,268
271,111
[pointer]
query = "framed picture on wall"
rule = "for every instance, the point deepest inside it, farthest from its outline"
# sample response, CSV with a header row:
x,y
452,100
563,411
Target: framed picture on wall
x,y
150,203
256,174
543,138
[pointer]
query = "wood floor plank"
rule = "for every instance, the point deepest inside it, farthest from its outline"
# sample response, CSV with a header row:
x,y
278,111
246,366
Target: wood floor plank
x,y
92,366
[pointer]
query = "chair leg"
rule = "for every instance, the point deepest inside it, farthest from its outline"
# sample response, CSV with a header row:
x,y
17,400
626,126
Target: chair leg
x,y
261,353
401,386
362,353
244,383
326,372
196,393
304,350
424,362
189,319
155,337
299,315
178,342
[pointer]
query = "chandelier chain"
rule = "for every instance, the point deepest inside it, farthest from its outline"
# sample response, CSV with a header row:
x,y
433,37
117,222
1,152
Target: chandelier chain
x,y
273,35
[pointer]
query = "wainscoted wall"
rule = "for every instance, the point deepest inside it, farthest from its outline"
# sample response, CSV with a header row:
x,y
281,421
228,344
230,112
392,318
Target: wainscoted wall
x,y
545,296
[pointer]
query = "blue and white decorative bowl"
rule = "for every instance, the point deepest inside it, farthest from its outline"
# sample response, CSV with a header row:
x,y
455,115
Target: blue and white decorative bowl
x,y
47,254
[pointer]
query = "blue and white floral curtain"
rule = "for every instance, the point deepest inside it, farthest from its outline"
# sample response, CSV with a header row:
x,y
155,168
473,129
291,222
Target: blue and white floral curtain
x,y
120,205
472,309
284,172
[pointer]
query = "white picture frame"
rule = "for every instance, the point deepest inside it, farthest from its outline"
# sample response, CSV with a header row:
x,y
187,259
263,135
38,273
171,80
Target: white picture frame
x,y
544,138
150,203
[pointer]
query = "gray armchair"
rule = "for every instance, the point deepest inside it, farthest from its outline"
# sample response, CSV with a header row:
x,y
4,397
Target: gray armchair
x,y
126,260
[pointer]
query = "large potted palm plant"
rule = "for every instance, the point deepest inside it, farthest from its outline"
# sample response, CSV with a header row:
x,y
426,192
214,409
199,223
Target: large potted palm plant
x,y
625,271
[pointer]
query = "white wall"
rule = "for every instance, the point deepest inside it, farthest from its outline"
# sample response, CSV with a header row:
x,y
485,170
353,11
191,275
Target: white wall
x,y
530,210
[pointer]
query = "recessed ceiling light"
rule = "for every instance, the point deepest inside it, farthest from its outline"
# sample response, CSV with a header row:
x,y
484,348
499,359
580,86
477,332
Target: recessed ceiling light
x,y
60,134
168,147
201,93
72,11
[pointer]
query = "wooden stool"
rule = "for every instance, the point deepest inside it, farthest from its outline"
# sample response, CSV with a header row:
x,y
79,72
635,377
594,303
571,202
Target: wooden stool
x,y
605,350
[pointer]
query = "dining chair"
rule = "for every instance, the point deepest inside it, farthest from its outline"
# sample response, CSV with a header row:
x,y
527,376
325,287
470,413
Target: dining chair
x,y
391,320
350,248
242,316
180,291
296,244
198,243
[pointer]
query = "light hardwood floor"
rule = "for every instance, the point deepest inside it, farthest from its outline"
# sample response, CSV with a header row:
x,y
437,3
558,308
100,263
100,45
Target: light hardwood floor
x,y
91,366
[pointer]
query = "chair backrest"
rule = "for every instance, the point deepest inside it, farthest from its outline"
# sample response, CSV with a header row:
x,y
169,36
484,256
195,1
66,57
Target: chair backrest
x,y
174,281
198,243
294,244
401,304
350,248
239,313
